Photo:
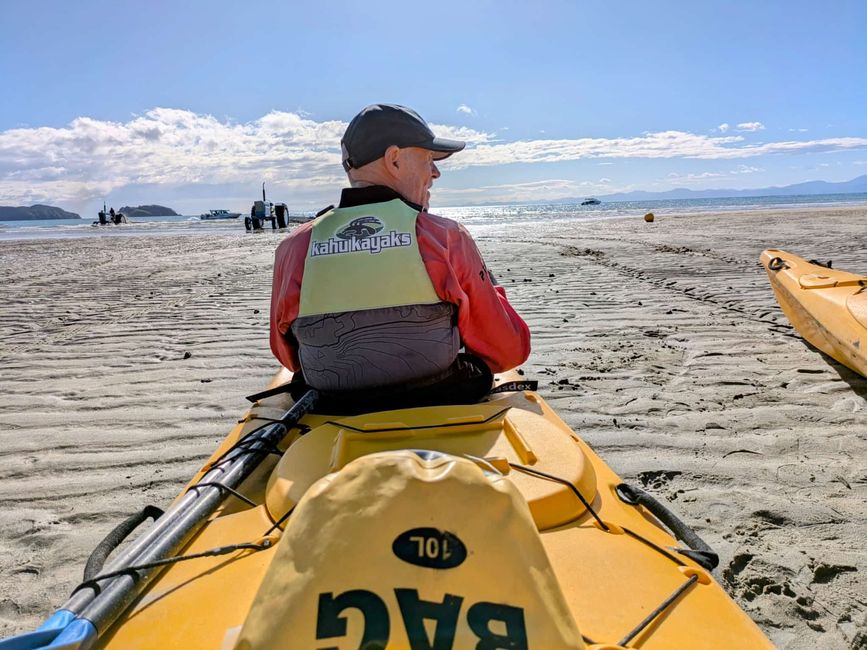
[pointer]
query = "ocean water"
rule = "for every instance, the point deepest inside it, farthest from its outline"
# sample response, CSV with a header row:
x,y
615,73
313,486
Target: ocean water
x,y
474,217
535,213
73,228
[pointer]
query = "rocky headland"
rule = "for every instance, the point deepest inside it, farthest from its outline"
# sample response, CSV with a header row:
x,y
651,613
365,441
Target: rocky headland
x,y
148,211
34,212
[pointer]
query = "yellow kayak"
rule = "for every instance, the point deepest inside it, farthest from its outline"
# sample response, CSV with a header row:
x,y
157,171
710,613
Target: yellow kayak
x,y
826,306
490,525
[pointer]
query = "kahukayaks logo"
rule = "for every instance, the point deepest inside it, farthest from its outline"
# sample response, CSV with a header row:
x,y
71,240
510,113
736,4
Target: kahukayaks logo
x,y
361,228
359,235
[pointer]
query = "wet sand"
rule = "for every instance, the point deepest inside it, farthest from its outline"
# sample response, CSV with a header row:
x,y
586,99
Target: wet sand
x,y
124,360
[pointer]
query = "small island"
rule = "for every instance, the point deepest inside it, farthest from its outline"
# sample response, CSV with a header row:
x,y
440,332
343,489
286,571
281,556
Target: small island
x,y
34,212
148,211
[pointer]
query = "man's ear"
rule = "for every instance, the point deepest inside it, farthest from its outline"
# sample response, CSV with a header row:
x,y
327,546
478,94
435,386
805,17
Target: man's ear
x,y
391,157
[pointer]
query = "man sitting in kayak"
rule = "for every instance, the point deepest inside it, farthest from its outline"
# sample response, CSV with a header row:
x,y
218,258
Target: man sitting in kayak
x,y
373,300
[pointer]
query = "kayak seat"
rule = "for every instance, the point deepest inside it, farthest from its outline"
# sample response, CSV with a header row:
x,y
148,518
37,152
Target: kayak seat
x,y
493,434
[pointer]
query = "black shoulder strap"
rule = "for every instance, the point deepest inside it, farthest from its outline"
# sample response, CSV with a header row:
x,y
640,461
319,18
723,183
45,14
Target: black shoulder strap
x,y
323,211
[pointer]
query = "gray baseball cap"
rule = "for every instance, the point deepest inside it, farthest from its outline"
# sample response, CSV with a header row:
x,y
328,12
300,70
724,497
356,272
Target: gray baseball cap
x,y
380,126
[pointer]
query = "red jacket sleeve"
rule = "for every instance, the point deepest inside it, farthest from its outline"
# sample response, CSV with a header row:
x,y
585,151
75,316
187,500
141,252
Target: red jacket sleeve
x,y
286,294
489,326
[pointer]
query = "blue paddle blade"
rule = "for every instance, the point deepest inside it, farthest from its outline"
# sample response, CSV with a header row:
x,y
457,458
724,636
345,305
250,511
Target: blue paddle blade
x,y
60,632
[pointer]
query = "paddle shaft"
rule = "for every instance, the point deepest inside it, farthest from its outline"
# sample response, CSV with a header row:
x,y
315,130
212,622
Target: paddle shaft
x,y
180,523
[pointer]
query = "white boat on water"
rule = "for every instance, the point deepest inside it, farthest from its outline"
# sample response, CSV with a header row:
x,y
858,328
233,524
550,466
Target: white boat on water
x,y
220,214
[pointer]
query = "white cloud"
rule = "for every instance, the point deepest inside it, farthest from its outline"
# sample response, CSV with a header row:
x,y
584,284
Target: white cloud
x,y
797,130
663,145
89,158
467,110
747,169
164,147
751,126
699,177
722,128
696,177
470,136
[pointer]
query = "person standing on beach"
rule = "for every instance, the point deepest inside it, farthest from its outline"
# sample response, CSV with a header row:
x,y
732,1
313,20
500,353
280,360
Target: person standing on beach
x,y
378,296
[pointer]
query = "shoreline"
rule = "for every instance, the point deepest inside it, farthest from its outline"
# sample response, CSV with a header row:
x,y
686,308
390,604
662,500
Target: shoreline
x,y
495,216
660,344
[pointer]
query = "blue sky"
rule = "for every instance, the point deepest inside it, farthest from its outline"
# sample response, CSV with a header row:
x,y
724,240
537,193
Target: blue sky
x,y
193,104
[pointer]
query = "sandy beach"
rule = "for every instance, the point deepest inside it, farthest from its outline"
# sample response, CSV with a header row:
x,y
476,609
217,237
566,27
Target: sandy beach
x,y
124,360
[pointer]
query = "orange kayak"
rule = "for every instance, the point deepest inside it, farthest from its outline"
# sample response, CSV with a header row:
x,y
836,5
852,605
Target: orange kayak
x,y
826,306
489,525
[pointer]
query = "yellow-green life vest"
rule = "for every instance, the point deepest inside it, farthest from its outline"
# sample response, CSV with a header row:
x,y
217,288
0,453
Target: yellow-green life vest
x,y
365,257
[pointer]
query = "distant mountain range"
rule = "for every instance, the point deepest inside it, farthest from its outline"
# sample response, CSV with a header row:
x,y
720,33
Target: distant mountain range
x,y
148,211
34,212
855,186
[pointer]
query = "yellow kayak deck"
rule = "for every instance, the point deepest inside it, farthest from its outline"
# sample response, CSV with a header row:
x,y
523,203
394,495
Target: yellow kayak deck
x,y
826,306
611,580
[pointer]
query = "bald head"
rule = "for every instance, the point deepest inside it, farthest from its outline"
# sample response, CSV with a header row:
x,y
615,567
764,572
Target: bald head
x,y
409,171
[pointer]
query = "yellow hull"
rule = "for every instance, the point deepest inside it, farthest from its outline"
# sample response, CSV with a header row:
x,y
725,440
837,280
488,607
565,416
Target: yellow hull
x,y
604,582
826,306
